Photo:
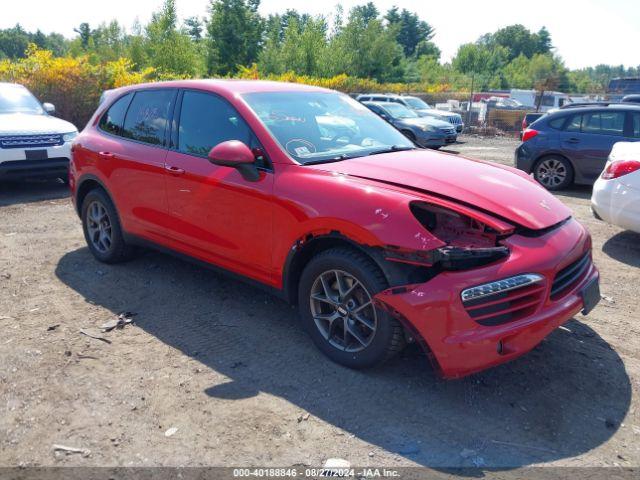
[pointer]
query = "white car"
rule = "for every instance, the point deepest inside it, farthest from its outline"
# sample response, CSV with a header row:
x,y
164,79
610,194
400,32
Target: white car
x,y
616,193
32,142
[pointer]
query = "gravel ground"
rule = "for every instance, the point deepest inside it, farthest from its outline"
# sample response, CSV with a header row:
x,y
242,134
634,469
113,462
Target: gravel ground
x,y
229,370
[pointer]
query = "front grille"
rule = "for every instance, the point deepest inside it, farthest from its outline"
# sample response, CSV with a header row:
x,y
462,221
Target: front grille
x,y
504,301
570,276
455,119
30,141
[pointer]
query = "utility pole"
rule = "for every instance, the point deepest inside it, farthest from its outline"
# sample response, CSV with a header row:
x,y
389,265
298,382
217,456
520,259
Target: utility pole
x,y
473,76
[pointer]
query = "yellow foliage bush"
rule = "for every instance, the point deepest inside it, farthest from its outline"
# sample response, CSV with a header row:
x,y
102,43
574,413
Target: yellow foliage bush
x,y
72,84
345,83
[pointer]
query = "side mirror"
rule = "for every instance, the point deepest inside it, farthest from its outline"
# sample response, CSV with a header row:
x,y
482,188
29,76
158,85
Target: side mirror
x,y
49,107
235,154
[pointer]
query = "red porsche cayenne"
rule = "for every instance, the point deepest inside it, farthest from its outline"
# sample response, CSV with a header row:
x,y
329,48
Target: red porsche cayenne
x,y
305,191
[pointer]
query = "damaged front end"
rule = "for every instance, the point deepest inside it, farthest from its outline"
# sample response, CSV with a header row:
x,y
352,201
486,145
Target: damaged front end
x,y
469,242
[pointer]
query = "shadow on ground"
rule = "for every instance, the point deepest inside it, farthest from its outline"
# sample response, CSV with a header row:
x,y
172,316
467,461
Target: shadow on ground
x,y
29,191
624,247
565,398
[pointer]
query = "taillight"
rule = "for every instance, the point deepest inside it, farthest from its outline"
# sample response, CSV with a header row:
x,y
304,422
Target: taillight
x,y
529,133
620,168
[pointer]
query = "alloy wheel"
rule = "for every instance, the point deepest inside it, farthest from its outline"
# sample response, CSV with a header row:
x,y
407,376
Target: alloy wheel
x,y
99,227
343,311
551,172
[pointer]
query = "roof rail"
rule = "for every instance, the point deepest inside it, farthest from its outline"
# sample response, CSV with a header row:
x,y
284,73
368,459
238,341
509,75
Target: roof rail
x,y
586,104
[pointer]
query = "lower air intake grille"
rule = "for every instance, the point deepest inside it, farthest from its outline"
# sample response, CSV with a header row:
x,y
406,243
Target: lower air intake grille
x,y
569,276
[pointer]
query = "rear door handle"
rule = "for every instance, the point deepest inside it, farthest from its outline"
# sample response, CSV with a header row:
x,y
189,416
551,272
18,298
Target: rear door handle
x,y
174,170
106,154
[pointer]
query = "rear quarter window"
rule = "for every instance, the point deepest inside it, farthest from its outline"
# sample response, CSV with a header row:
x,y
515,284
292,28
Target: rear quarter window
x,y
112,120
148,115
557,123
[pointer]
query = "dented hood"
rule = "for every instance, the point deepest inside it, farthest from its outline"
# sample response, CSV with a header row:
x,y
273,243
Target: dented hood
x,y
497,189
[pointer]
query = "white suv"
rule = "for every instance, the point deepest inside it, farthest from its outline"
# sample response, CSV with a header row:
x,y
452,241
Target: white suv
x,y
32,142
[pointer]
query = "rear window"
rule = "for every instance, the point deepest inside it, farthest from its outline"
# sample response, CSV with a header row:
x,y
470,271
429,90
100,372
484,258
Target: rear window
x,y
148,115
112,120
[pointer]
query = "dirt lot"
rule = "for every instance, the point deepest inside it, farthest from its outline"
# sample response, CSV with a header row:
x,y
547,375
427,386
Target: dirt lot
x,y
229,367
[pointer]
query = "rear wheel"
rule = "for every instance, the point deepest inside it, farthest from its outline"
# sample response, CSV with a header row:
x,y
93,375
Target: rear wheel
x,y
102,229
336,305
553,173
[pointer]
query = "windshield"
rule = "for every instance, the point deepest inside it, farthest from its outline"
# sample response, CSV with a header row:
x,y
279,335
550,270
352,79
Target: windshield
x,y
318,126
17,99
397,110
416,103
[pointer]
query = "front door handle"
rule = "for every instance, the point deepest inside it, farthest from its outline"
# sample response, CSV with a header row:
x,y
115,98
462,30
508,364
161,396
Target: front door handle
x,y
174,170
573,140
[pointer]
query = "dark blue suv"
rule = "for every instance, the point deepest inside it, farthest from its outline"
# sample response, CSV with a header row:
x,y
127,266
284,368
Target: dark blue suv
x,y
572,145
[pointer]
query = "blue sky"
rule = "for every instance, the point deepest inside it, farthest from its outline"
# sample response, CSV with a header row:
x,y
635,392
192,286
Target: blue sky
x,y
584,32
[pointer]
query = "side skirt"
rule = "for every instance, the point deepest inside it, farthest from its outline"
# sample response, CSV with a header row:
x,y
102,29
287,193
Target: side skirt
x,y
141,242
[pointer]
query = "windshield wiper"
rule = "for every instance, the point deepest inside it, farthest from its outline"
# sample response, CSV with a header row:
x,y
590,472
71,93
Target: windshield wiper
x,y
392,148
338,158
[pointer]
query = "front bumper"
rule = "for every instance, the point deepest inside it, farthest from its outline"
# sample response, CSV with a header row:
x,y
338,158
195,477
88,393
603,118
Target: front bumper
x,y
458,344
14,163
435,139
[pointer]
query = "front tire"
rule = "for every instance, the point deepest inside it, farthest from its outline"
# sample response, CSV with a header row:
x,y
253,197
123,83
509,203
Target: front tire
x,y
102,230
335,299
553,173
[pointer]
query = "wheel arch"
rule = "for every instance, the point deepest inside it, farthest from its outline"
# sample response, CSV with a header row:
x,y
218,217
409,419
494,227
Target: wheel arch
x,y
397,274
303,250
86,184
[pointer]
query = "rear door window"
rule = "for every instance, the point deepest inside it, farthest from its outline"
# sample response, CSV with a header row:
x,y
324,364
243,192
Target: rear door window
x,y
604,123
148,115
112,120
574,124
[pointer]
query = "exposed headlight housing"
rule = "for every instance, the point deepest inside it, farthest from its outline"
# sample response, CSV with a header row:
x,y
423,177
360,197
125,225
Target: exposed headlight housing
x,y
469,242
67,137
428,128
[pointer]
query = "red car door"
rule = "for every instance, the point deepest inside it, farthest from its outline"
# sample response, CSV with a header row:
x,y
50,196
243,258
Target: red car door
x,y
215,214
133,158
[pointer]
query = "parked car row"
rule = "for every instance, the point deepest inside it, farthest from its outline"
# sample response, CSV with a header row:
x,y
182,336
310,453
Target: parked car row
x,y
424,131
311,195
416,119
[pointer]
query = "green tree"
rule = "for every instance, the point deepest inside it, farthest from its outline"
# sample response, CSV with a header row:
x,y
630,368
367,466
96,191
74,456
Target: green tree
x,y
518,40
363,47
169,49
411,31
234,33
482,62
301,50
